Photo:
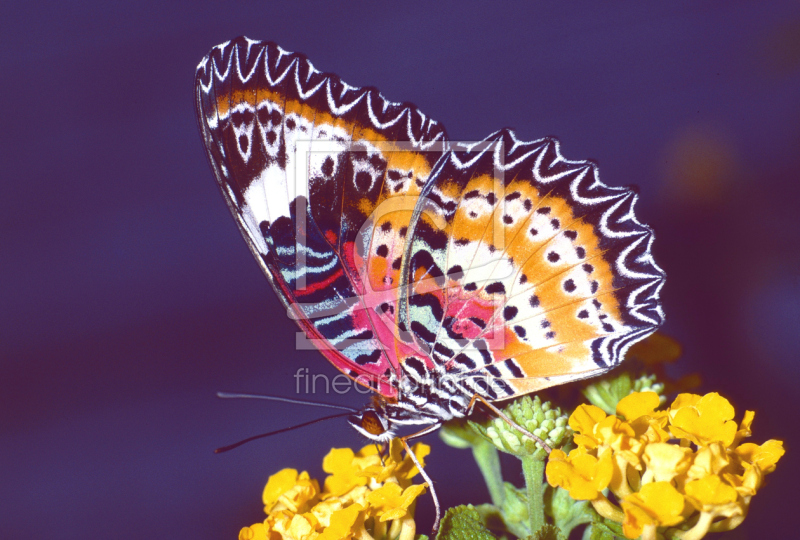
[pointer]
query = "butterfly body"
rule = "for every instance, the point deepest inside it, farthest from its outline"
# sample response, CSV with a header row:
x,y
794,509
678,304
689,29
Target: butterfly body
x,y
429,271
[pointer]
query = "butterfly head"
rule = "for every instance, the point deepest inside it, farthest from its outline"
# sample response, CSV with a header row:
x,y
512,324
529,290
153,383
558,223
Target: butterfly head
x,y
373,423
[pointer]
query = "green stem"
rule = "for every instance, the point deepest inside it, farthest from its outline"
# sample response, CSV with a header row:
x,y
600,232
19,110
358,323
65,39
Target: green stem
x,y
533,470
488,461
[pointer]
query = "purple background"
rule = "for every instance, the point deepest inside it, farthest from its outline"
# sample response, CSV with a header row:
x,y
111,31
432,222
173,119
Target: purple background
x,y
128,297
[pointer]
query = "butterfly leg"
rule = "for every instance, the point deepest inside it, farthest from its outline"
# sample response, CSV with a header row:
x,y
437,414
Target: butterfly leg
x,y
381,449
501,414
425,476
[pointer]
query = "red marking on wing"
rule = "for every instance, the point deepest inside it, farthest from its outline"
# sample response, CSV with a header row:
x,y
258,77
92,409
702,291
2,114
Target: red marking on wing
x,y
320,284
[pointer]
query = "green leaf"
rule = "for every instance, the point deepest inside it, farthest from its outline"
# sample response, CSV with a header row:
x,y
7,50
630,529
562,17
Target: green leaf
x,y
459,435
463,523
606,530
608,391
566,512
515,507
488,461
515,510
548,532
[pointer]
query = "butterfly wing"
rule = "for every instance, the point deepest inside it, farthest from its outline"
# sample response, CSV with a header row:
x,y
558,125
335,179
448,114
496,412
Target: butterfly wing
x,y
322,179
525,271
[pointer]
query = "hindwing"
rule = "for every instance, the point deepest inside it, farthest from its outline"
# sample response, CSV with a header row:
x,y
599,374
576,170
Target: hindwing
x,y
526,271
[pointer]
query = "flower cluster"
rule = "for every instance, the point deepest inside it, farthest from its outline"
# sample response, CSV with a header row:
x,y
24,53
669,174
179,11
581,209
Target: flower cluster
x,y
365,496
683,469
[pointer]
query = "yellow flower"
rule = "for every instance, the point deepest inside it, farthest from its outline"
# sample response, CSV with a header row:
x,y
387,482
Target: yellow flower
x,y
257,531
704,419
665,461
765,457
709,492
403,468
748,483
620,437
392,502
348,470
756,462
342,523
637,405
709,460
406,468
582,422
744,428
580,473
363,498
286,490
324,510
356,495
714,499
298,527
596,430
657,504
639,409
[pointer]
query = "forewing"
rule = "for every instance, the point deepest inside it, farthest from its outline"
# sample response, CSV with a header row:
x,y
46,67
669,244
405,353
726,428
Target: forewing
x,y
322,178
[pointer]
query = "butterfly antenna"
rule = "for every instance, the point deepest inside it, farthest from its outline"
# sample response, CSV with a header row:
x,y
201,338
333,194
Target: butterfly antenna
x,y
277,431
230,395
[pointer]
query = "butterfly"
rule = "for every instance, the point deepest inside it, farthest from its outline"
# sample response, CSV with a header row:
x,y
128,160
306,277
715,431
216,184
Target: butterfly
x,y
430,271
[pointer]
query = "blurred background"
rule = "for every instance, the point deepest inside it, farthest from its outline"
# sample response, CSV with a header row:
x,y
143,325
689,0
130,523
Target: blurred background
x,y
128,298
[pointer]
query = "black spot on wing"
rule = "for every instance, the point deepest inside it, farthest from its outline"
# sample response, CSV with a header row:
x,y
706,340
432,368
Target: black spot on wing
x,y
478,321
455,273
495,288
417,365
514,368
422,331
423,259
371,358
464,361
430,302
327,167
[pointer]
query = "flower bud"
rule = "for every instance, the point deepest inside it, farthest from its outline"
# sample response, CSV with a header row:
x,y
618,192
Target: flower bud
x,y
542,419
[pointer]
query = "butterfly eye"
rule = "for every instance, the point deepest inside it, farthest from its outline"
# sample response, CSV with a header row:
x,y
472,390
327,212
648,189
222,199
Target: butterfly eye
x,y
371,423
